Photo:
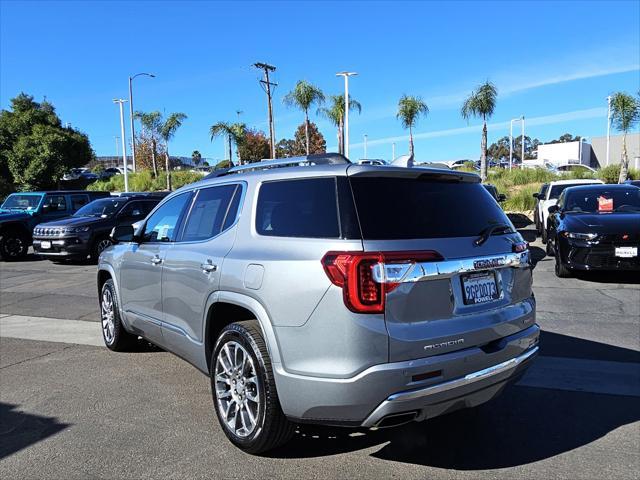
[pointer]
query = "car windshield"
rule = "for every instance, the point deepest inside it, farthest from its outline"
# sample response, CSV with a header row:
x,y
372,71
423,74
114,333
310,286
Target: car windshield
x,y
101,208
18,201
556,190
624,200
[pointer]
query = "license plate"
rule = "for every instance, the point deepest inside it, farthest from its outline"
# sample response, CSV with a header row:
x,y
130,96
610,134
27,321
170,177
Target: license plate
x,y
45,244
479,288
626,252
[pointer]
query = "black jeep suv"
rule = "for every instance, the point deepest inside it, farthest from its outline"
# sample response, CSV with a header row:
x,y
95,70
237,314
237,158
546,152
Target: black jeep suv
x,y
86,232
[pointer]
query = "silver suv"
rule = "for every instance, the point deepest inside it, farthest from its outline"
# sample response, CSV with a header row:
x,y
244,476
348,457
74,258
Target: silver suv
x,y
313,290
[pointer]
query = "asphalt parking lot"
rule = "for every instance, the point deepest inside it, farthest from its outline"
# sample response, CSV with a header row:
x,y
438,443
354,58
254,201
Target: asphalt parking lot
x,y
72,410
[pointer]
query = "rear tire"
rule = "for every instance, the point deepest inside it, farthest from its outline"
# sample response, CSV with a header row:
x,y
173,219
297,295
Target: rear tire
x,y
14,245
244,390
115,337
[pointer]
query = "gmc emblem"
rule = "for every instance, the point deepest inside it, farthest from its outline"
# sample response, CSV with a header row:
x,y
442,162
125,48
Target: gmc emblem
x,y
489,263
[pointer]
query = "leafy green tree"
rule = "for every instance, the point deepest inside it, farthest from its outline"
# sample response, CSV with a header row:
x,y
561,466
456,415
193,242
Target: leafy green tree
x,y
235,132
481,103
196,157
35,149
335,114
285,148
565,138
625,113
167,131
410,108
500,149
254,146
303,96
151,124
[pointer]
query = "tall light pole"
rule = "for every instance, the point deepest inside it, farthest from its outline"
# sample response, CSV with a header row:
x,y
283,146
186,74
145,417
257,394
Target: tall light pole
x,y
133,133
120,101
521,119
365,146
393,151
608,125
346,76
522,142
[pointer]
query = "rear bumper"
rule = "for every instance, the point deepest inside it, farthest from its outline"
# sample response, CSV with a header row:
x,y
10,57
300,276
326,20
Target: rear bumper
x,y
422,388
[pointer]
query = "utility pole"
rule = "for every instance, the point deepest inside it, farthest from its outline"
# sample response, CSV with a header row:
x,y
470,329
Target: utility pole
x,y
120,101
608,125
133,132
346,76
266,85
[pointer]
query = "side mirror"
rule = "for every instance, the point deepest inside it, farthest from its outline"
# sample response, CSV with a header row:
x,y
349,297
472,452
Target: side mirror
x,y
122,233
502,197
553,209
536,195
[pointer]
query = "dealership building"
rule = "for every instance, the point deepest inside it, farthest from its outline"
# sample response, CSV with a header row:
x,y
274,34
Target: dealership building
x,y
593,153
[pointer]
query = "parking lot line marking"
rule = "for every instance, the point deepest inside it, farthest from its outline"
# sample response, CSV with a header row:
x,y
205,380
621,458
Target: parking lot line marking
x,y
583,375
51,330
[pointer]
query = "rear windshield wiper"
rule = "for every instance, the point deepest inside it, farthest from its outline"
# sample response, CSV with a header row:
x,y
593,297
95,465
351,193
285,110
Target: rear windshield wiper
x,y
487,232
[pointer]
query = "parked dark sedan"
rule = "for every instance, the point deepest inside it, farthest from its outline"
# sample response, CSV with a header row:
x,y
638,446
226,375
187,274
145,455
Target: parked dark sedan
x,y
595,227
86,233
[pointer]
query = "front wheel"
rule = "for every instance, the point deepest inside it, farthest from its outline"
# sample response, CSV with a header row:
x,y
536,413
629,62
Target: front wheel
x,y
98,247
544,237
244,390
14,245
561,270
115,337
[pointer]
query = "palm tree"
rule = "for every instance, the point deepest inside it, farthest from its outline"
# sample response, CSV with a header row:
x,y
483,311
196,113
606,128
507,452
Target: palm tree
x,y
481,103
235,132
409,110
625,113
167,131
196,157
303,96
151,122
335,114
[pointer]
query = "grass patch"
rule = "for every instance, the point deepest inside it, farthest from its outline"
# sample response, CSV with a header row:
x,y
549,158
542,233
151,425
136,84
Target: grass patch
x,y
144,182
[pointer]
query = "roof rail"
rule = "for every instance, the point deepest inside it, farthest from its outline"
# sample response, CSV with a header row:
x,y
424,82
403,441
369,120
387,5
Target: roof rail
x,y
320,159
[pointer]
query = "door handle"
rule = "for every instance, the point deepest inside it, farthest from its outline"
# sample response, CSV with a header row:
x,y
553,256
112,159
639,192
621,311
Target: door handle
x,y
208,267
156,260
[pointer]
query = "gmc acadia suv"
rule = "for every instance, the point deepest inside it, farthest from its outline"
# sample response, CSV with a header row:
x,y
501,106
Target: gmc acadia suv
x,y
315,290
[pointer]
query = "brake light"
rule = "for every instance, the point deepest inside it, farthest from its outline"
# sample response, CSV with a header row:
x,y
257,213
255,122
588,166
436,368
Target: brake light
x,y
366,278
520,247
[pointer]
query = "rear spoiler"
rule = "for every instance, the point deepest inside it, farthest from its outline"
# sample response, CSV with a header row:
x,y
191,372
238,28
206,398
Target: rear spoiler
x,y
422,173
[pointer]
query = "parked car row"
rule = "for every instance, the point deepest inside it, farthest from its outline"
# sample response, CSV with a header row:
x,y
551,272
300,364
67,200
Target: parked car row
x,y
67,224
587,225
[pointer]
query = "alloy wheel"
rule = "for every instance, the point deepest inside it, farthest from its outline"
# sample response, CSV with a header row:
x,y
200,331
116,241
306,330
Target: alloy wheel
x,y
237,389
102,245
107,314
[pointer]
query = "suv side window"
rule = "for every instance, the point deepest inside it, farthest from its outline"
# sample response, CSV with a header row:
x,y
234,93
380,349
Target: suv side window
x,y
56,203
163,225
209,212
135,210
78,201
298,208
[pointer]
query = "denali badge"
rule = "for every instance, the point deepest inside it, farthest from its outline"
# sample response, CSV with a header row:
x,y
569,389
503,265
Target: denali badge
x,y
489,263
444,344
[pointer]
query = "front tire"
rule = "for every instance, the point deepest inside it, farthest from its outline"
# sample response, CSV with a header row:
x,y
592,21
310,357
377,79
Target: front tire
x,y
561,270
98,246
244,390
115,337
14,245
544,236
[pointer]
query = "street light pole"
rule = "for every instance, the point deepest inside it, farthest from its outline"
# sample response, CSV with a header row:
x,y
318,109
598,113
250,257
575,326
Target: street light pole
x,y
346,76
133,133
510,143
522,155
608,125
120,101
393,151
365,146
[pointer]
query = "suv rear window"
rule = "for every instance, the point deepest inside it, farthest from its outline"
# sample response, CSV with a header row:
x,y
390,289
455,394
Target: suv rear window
x,y
298,208
413,208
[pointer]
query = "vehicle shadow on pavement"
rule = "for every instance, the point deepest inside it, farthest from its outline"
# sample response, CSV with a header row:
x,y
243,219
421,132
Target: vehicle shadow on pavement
x,y
521,426
19,430
621,277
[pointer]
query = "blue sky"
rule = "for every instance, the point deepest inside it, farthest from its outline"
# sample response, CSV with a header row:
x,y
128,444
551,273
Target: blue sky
x,y
553,62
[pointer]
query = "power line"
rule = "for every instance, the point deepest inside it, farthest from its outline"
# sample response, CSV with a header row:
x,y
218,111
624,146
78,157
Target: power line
x,y
266,86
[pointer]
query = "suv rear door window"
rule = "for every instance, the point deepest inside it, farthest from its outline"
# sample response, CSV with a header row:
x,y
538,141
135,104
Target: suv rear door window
x,y
208,213
298,208
78,201
392,208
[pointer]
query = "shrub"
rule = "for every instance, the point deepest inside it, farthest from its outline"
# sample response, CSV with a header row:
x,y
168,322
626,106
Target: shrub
x,y
143,181
521,199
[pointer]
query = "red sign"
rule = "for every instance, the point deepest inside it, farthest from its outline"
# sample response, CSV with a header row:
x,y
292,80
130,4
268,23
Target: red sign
x,y
605,204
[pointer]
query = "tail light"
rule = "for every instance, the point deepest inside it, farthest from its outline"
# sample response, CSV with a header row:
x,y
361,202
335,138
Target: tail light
x,y
366,278
520,247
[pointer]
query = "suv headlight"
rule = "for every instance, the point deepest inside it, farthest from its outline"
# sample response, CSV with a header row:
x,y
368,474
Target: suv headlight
x,y
580,236
76,229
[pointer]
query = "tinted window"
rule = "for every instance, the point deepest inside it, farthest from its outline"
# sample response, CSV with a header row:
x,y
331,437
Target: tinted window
x,y
298,208
595,200
101,208
208,213
78,201
162,226
543,190
135,210
556,190
408,208
55,203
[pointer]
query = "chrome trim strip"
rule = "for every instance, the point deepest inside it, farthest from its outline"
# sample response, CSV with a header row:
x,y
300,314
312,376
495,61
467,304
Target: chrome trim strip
x,y
398,398
405,273
466,380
